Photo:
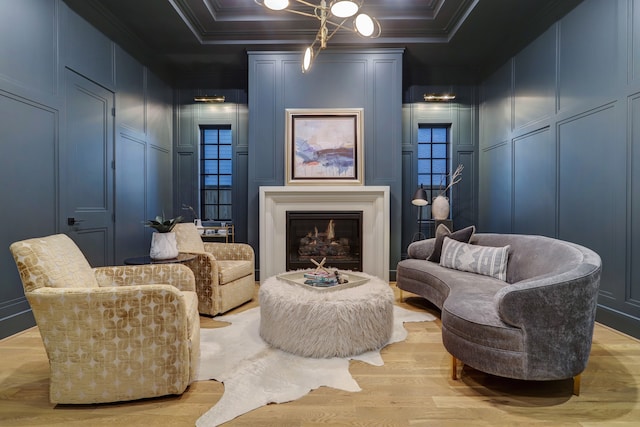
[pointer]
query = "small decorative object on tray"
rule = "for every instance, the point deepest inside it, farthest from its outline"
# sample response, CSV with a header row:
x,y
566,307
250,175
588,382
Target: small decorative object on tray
x,y
325,278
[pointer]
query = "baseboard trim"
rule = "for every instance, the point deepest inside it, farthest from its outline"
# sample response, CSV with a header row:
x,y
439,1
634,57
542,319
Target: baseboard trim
x,y
15,323
619,321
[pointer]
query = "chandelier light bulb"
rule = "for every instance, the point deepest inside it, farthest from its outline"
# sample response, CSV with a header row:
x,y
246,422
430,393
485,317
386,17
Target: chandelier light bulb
x,y
344,8
276,4
364,25
306,59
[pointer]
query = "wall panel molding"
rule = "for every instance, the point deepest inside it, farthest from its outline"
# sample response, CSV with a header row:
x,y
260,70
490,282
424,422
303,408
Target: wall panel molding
x,y
633,288
29,32
368,79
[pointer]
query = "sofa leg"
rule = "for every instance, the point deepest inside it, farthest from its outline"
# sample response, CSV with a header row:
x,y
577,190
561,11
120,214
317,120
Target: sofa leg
x,y
454,368
576,385
401,295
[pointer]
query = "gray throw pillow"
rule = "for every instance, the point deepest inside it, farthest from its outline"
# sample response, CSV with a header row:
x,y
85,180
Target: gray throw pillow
x,y
443,231
485,260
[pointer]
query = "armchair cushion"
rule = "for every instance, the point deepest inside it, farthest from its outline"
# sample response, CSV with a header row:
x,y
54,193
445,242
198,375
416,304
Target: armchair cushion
x,y
188,238
233,270
54,262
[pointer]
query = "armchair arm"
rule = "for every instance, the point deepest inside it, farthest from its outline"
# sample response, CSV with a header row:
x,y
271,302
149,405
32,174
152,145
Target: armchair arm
x,y
556,315
206,272
176,275
421,249
205,269
550,300
230,251
96,340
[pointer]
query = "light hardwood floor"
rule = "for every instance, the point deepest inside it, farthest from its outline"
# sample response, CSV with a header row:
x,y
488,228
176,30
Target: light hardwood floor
x,y
413,388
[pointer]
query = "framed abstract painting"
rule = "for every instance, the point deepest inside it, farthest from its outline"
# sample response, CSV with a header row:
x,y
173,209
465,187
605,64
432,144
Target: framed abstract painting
x,y
324,146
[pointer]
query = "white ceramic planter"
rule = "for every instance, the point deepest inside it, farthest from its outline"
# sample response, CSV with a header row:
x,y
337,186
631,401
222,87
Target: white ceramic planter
x,y
440,208
163,246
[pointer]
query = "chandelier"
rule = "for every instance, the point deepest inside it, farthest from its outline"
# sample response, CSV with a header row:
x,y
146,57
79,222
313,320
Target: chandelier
x,y
337,16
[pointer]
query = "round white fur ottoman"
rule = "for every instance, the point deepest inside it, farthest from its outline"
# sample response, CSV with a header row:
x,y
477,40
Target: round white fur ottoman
x,y
326,322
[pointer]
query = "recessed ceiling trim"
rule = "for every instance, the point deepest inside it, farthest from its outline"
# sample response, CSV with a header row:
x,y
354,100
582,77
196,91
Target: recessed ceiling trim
x,y
186,36
187,21
457,23
212,9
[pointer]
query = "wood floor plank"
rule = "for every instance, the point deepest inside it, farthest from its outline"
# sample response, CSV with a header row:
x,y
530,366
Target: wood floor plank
x,y
413,388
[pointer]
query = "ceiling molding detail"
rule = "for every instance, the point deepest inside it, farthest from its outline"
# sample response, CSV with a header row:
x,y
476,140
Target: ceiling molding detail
x,y
457,40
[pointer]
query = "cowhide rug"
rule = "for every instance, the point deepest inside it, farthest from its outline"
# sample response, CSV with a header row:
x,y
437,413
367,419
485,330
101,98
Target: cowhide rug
x,y
255,374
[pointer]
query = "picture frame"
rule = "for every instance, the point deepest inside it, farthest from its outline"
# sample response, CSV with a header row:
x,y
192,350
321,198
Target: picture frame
x,y
324,147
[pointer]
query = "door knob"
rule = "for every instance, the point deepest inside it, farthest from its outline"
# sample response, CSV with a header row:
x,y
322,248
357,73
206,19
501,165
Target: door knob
x,y
73,221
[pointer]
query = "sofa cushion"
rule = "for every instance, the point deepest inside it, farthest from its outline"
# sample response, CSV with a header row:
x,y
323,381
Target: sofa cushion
x,y
485,260
426,279
442,231
470,312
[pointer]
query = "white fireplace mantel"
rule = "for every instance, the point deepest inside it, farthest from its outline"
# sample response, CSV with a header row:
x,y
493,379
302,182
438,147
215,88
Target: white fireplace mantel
x,y
373,201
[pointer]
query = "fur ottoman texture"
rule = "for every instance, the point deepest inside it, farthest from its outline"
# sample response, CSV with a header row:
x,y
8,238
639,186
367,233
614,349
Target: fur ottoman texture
x,y
326,323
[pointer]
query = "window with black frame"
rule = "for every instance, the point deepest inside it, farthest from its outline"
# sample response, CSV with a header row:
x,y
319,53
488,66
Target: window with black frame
x,y
216,177
433,160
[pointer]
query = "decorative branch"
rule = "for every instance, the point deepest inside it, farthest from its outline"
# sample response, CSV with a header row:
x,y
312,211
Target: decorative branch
x,y
456,177
187,207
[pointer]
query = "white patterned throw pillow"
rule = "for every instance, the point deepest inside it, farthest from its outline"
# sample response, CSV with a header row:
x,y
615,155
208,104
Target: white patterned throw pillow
x,y
485,260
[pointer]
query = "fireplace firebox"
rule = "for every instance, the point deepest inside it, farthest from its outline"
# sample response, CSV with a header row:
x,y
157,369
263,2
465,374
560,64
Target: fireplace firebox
x,y
336,236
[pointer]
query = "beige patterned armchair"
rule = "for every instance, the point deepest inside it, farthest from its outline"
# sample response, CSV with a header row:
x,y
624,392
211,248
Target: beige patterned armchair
x,y
224,272
110,333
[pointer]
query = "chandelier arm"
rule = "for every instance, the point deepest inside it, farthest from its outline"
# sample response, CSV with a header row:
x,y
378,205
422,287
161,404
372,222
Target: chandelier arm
x,y
299,12
306,3
318,37
337,27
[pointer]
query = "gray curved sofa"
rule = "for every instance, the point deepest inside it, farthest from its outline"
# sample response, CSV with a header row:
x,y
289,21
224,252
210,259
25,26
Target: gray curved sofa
x,y
536,325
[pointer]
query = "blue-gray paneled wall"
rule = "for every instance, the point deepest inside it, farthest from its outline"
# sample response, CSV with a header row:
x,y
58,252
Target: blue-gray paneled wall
x,y
462,116
39,39
367,79
190,116
559,139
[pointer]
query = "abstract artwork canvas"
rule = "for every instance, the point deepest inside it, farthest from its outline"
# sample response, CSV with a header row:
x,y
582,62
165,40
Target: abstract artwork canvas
x,y
324,146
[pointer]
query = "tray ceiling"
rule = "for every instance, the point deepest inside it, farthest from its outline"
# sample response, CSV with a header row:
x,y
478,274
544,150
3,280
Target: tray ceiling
x,y
191,36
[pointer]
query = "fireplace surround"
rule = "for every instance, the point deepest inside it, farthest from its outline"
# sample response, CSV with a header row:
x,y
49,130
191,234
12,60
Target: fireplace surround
x,y
276,201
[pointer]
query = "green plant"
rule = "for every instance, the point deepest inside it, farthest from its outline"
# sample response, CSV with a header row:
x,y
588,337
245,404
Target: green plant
x,y
163,225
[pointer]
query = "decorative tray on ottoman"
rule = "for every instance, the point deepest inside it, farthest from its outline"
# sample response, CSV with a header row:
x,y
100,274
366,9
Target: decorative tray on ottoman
x,y
298,278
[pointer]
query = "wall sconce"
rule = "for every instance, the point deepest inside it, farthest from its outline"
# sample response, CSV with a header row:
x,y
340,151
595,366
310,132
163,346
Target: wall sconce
x,y
207,98
438,97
